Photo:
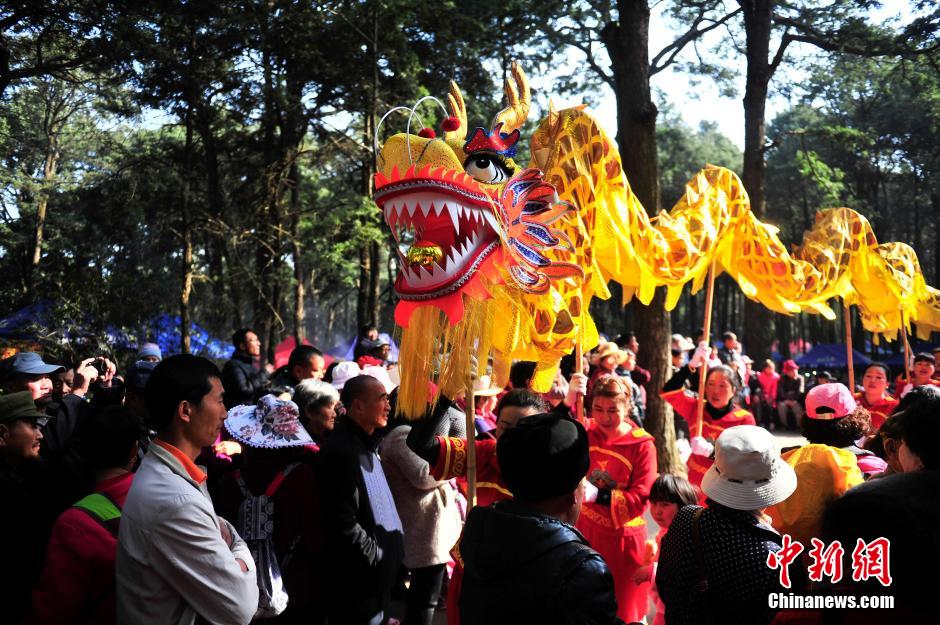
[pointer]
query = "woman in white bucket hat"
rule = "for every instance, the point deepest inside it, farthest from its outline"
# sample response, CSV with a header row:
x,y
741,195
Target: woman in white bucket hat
x,y
713,563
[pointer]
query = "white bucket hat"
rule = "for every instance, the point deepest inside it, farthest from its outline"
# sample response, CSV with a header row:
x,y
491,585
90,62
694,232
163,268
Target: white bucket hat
x,y
483,387
748,473
682,342
344,372
380,373
271,424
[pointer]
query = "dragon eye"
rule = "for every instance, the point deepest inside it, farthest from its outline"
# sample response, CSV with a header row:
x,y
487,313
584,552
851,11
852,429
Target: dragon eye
x,y
486,169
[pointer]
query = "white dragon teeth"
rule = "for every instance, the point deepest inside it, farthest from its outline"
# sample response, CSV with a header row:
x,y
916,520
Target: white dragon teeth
x,y
451,210
468,223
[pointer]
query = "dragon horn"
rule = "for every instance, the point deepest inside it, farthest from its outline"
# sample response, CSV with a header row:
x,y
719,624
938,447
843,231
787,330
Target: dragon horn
x,y
517,99
459,110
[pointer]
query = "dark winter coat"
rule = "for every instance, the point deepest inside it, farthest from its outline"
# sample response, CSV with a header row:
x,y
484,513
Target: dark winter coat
x,y
364,557
243,382
521,566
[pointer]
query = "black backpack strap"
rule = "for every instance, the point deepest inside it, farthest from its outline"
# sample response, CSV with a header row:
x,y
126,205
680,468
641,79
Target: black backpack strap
x,y
702,585
240,482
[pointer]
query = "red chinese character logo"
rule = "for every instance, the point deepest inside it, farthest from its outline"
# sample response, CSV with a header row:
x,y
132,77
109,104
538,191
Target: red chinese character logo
x,y
782,559
871,560
826,561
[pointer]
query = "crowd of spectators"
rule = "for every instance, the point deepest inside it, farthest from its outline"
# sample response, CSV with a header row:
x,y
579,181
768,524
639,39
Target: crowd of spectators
x,y
177,491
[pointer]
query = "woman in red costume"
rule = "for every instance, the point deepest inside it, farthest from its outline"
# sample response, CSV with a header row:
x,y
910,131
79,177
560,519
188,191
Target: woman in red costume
x,y
623,469
721,386
875,398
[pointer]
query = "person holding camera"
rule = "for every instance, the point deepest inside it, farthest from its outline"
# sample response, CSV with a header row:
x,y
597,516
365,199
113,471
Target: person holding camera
x,y
63,468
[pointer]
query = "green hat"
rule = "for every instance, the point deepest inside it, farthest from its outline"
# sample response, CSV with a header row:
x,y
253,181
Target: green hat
x,y
17,406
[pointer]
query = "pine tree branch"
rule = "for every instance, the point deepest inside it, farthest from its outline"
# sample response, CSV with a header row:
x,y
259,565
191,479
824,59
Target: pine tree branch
x,y
574,42
693,34
838,41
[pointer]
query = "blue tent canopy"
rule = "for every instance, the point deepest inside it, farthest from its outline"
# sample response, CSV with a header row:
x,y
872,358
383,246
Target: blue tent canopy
x,y
897,360
345,350
830,356
165,332
21,324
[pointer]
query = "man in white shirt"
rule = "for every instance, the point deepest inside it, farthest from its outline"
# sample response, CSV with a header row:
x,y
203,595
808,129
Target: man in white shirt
x,y
176,560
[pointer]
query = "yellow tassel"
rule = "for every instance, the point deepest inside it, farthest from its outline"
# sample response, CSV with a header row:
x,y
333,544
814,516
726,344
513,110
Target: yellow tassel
x,y
419,349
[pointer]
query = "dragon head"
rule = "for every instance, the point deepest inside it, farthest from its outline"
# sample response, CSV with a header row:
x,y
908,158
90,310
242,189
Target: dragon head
x,y
460,208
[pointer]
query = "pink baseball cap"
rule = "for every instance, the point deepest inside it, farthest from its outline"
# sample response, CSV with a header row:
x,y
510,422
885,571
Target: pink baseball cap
x,y
829,401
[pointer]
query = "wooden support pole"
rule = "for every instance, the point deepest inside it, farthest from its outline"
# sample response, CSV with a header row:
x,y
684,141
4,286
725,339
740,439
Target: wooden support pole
x,y
471,446
907,351
847,313
579,368
703,370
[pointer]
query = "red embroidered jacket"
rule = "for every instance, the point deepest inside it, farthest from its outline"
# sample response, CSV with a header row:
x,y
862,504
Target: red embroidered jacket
x,y
879,410
452,462
685,403
626,465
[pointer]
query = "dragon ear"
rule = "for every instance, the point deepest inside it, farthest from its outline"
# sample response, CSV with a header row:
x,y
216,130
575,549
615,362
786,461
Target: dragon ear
x,y
517,101
553,117
459,110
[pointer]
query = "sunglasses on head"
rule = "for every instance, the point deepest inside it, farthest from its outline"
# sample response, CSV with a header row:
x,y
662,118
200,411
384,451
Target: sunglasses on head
x,y
612,380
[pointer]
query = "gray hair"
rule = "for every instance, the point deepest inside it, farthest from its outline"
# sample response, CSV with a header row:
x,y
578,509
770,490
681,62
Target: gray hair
x,y
314,394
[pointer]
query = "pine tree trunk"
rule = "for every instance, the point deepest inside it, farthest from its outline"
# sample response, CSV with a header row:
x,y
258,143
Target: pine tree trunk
x,y
369,270
222,295
935,202
42,204
300,311
759,330
627,45
363,314
374,282
187,287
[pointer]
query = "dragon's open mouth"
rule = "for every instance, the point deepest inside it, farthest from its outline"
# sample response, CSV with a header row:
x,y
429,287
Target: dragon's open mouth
x,y
444,228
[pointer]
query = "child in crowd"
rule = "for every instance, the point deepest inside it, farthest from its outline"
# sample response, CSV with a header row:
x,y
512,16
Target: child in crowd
x,y
668,494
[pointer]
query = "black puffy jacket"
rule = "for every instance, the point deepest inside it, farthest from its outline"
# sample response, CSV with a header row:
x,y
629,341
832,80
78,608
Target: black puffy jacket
x,y
243,382
521,566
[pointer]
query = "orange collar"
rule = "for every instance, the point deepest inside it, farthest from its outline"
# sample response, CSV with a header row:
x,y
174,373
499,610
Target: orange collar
x,y
194,472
